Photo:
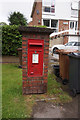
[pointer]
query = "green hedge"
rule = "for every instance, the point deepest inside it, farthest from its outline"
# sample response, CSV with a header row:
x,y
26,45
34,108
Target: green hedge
x,y
11,40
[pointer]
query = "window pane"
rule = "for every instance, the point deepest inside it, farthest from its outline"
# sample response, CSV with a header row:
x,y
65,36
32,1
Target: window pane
x,y
47,9
52,10
77,44
71,25
76,26
70,43
46,23
54,23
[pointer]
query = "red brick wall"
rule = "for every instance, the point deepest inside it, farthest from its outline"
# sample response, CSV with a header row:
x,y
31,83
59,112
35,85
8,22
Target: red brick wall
x,y
30,23
34,84
62,26
65,39
36,17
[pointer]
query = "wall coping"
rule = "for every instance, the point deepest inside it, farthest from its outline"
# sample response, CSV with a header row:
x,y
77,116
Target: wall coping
x,y
24,29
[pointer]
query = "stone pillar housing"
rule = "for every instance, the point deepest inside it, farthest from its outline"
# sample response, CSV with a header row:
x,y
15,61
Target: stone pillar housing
x,y
34,84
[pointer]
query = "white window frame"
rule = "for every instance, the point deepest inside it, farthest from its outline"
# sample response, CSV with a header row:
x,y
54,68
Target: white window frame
x,y
57,28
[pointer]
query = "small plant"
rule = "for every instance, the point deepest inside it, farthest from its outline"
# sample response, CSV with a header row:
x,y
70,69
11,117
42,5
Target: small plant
x,y
65,98
41,26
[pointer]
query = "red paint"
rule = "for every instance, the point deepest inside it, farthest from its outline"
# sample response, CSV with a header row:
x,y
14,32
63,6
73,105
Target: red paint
x,y
35,47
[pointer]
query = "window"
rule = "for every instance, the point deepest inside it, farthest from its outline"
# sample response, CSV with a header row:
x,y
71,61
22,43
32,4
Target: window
x,y
74,5
51,23
49,6
71,25
37,12
74,13
54,23
46,23
52,6
69,44
52,10
74,8
47,9
77,44
76,25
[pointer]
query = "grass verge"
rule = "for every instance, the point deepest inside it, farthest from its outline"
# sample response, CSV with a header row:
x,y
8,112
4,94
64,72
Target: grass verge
x,y
14,104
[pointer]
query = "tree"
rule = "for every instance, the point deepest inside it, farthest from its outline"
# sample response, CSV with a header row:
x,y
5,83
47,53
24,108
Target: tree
x,y
2,23
16,18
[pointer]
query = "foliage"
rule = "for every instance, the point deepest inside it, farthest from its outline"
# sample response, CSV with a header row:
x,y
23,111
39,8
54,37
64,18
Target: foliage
x,y
2,23
17,18
41,26
11,40
0,40
55,88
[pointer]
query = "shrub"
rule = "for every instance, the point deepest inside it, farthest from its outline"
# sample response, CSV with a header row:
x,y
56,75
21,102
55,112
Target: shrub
x,y
0,40
11,40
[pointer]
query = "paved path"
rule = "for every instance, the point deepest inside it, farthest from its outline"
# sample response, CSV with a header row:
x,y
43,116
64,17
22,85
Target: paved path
x,y
50,110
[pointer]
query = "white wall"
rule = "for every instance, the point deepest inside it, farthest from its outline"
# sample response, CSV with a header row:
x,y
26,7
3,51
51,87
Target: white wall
x,y
73,38
62,10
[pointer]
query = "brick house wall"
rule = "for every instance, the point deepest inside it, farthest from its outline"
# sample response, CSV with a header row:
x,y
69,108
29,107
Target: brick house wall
x,y
65,39
37,17
30,23
63,24
63,27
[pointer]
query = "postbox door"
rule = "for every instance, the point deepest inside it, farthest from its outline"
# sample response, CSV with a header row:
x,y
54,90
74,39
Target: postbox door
x,y
35,61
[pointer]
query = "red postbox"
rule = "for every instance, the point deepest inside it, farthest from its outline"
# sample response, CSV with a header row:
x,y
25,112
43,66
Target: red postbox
x,y
35,57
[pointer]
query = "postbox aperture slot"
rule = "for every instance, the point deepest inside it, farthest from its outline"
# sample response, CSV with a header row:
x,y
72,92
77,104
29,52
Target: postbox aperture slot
x,y
36,46
32,44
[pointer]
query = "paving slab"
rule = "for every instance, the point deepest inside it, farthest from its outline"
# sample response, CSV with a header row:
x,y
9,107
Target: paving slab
x,y
50,110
